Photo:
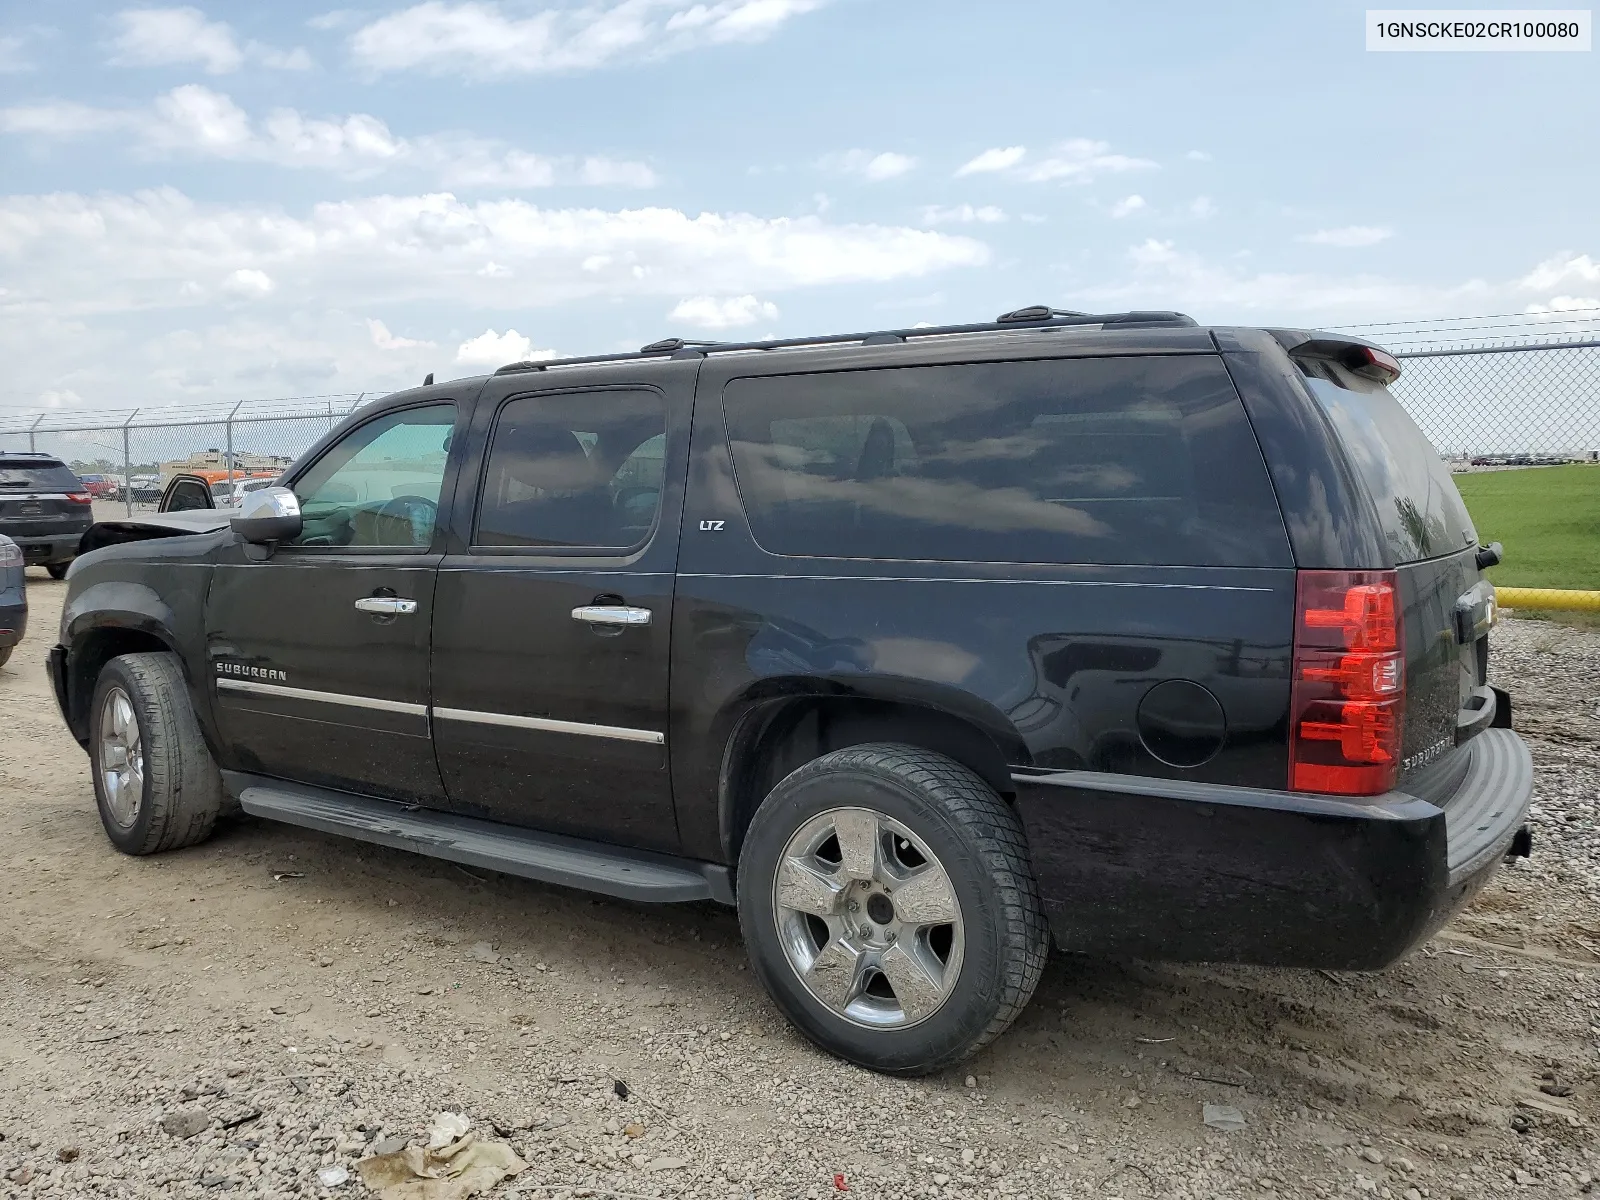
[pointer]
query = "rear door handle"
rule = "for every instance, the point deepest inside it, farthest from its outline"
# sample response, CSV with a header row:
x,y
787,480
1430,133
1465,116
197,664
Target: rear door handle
x,y
386,606
612,614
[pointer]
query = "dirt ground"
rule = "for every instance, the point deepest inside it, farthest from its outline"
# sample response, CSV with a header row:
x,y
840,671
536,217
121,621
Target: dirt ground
x,y
308,997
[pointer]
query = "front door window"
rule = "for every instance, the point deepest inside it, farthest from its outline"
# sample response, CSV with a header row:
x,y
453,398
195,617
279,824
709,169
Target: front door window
x,y
379,487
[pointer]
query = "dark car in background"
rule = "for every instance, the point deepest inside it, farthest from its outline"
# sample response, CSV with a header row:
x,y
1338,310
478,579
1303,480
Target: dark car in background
x,y
13,598
922,647
44,509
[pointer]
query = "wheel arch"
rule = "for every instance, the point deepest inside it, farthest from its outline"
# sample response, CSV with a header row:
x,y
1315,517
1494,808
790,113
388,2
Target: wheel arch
x,y
776,734
107,620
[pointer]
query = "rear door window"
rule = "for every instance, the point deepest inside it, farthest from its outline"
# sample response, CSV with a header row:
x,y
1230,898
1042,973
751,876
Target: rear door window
x,y
577,470
1108,460
40,476
1419,509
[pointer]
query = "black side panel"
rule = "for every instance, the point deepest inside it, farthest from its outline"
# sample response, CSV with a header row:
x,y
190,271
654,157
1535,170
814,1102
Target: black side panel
x,y
1332,524
1183,872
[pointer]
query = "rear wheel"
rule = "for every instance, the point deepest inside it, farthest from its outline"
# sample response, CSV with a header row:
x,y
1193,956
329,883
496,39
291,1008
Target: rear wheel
x,y
57,570
889,907
155,782
5,654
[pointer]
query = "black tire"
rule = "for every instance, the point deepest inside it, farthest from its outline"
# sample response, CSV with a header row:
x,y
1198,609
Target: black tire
x,y
58,570
978,841
5,654
179,792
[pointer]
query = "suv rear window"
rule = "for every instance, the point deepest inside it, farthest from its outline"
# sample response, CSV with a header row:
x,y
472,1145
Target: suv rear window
x,y
42,475
1419,508
1103,460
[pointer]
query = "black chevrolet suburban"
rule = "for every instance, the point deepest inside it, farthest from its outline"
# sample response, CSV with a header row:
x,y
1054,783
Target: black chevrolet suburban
x,y
921,647
44,509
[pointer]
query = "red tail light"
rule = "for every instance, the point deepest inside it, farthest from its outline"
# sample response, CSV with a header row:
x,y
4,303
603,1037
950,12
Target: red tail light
x,y
80,497
1348,697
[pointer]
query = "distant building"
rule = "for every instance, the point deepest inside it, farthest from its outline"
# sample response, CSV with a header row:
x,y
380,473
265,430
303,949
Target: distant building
x,y
217,460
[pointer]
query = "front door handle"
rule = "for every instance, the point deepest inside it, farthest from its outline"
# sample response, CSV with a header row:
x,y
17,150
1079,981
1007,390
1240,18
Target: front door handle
x,y
386,606
612,614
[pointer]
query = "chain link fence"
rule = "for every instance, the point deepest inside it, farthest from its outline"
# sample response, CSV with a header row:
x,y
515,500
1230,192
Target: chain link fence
x,y
1497,404
135,453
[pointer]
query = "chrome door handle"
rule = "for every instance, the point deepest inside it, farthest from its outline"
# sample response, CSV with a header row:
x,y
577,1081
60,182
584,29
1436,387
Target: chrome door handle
x,y
611,614
386,606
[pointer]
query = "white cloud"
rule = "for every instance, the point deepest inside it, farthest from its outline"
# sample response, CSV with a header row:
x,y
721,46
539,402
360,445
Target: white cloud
x,y
438,37
384,340
1562,270
998,159
194,120
1127,206
11,56
1164,276
1348,236
1559,305
962,214
1076,160
336,18
495,349
1079,160
159,37
1202,207
875,168
729,312
249,283
1198,156
138,277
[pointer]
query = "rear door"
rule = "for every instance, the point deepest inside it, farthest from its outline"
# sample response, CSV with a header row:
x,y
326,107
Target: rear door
x,y
554,614
1447,603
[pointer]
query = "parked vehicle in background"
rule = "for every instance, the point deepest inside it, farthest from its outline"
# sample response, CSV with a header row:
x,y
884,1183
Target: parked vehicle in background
x,y
194,490
44,509
101,487
13,598
145,489
920,647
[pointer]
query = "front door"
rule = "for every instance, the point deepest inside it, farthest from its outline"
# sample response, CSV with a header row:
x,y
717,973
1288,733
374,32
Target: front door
x,y
552,627
320,652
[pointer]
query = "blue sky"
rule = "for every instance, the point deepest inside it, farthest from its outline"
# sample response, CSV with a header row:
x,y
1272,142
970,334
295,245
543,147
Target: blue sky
x,y
237,201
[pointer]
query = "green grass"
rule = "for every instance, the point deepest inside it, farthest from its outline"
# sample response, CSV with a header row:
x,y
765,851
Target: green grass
x,y
1548,519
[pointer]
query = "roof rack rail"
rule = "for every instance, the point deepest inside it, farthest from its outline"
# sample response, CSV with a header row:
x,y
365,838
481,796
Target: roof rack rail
x,y
1037,317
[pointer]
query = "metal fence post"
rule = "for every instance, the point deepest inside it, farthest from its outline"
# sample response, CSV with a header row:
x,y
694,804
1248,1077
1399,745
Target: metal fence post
x,y
33,446
228,425
127,466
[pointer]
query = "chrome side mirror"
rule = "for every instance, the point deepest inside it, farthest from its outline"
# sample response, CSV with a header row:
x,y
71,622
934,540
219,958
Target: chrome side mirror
x,y
269,515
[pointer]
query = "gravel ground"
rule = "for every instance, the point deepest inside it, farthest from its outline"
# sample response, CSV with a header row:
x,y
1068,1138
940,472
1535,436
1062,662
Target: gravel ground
x,y
297,998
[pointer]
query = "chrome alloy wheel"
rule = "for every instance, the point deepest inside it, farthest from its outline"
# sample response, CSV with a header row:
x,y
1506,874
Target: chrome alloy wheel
x,y
121,758
868,919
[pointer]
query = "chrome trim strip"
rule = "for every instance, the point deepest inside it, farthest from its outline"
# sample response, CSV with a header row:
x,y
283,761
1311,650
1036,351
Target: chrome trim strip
x,y
294,693
548,725
1197,587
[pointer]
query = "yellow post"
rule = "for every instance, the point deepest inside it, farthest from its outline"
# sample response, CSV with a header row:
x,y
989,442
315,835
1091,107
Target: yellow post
x,y
1555,599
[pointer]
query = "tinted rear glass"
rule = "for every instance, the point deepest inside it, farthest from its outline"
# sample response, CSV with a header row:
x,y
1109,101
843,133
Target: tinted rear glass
x,y
42,476
1419,508
1106,460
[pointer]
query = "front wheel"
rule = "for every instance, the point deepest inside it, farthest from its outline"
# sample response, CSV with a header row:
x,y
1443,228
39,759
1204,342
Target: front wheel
x,y
57,570
889,907
155,782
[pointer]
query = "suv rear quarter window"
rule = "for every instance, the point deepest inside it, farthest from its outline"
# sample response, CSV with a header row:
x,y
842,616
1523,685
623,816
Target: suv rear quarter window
x,y
1138,460
1420,510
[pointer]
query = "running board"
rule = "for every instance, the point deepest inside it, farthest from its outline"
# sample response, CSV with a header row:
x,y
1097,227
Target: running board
x,y
548,857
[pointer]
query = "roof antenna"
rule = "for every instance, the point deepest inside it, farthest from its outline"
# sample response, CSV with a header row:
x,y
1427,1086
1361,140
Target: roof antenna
x,y
428,381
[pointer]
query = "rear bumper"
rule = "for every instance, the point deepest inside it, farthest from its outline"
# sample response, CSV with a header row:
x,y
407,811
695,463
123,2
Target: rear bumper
x,y
13,623
1179,871
56,546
